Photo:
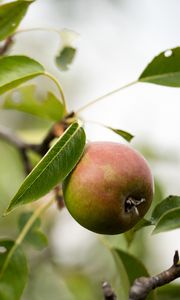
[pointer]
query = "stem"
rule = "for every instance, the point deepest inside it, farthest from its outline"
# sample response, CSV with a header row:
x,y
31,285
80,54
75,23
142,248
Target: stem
x,y
108,292
37,29
144,285
7,44
40,210
59,88
11,137
105,96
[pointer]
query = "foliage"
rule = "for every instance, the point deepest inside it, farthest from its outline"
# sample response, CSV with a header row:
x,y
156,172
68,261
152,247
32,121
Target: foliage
x,y
28,100
52,168
17,266
64,144
11,15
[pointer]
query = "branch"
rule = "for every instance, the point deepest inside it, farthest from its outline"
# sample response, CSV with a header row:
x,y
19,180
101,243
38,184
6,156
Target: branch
x,y
56,131
108,292
144,285
7,44
59,197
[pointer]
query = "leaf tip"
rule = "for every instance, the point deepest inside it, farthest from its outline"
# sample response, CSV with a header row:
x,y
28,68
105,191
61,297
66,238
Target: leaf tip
x,y
9,209
155,231
5,213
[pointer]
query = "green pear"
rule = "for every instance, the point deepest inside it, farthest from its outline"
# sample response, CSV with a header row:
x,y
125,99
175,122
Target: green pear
x,y
110,189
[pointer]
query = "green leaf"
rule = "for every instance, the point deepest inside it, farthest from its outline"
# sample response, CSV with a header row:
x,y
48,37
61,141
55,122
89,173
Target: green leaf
x,y
13,278
11,15
35,236
122,276
38,239
164,69
124,134
53,167
15,70
130,235
27,99
168,221
164,207
169,292
65,58
141,224
134,268
80,285
24,218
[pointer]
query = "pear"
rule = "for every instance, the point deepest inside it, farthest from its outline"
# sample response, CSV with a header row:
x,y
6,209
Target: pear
x,y
110,189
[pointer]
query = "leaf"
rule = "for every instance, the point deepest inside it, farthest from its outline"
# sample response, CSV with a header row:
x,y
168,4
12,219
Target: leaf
x,y
65,57
169,292
11,15
24,218
134,268
124,134
35,236
53,167
38,239
13,278
15,70
164,207
130,235
168,221
27,99
123,286
141,224
80,285
164,69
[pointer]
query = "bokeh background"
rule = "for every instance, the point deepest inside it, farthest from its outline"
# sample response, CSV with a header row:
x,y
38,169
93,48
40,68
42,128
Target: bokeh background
x,y
115,41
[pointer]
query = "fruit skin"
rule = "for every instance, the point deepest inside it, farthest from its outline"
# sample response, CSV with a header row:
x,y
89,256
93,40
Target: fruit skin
x,y
96,191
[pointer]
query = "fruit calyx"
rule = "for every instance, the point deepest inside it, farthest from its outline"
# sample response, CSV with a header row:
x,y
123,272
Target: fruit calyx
x,y
131,204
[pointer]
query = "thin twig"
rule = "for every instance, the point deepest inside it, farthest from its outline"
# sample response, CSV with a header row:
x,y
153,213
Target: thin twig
x,y
6,46
59,197
56,131
144,285
108,292
10,137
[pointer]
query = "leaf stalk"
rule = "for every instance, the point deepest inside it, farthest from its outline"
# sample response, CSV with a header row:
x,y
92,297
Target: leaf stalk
x,y
92,102
37,213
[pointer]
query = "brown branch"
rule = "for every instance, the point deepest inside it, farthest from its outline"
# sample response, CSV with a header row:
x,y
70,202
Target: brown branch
x,y
59,197
108,292
6,46
10,137
144,285
56,131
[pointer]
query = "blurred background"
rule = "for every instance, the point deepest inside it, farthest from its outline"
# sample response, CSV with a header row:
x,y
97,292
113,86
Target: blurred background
x,y
116,39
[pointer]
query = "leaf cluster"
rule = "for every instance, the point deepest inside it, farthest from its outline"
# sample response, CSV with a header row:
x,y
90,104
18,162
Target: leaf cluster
x,y
66,151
